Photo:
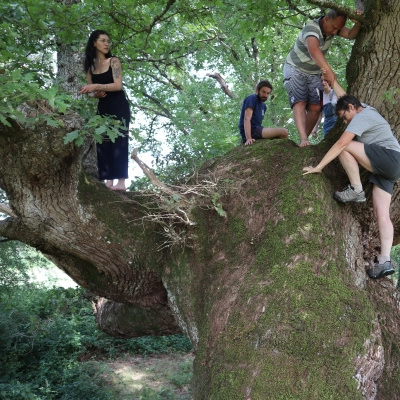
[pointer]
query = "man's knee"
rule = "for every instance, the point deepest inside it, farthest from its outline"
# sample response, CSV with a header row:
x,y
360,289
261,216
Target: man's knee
x,y
314,108
281,133
284,133
300,105
275,133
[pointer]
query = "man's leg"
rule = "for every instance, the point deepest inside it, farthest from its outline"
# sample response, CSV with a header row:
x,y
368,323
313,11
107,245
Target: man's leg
x,y
274,133
313,113
304,97
305,120
300,119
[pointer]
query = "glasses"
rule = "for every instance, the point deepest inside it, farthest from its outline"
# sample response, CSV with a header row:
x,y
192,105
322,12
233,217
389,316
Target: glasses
x,y
105,41
342,116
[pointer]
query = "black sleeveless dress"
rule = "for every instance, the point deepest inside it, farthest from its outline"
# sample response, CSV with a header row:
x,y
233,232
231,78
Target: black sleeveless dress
x,y
112,158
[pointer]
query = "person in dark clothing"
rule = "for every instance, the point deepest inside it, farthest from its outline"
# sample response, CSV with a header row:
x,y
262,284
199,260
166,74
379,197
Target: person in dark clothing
x,y
104,82
252,115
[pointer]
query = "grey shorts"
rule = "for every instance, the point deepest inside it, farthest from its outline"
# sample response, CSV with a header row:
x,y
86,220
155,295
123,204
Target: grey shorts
x,y
385,166
301,86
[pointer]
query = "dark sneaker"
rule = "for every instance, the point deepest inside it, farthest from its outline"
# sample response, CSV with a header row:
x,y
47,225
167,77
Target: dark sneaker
x,y
349,194
380,270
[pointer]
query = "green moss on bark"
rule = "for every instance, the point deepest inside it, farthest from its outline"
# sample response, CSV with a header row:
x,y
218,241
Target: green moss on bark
x,y
295,318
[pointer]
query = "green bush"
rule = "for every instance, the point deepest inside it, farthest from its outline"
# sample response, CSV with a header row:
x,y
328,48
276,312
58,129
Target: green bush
x,y
395,256
44,333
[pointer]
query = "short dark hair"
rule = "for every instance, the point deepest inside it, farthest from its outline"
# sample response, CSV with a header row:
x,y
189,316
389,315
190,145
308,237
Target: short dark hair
x,y
333,14
262,84
344,101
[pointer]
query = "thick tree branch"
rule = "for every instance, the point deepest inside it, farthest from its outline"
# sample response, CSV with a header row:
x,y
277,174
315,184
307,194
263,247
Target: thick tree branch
x,y
4,208
125,321
351,13
255,50
153,179
224,86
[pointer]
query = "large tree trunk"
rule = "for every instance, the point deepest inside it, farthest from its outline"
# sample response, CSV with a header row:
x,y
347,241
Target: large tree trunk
x,y
274,296
85,229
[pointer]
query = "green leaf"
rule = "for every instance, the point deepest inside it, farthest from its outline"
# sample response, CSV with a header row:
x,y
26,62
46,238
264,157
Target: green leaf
x,y
71,136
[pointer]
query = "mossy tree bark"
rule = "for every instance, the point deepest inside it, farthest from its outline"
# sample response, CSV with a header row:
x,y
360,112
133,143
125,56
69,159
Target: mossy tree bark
x,y
274,296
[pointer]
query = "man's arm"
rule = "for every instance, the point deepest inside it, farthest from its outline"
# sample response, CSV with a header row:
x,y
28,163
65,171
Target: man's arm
x,y
319,58
248,113
350,33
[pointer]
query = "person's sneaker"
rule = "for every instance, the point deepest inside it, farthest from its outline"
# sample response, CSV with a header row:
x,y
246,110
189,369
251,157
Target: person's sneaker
x,y
349,194
380,270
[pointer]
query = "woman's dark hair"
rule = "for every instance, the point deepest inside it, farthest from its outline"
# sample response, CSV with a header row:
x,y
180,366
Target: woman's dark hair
x,y
344,101
90,51
262,84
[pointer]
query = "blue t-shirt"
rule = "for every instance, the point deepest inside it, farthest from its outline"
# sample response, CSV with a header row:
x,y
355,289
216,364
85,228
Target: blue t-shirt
x,y
259,109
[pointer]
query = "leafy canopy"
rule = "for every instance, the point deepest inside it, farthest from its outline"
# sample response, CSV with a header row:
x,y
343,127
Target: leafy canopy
x,y
167,48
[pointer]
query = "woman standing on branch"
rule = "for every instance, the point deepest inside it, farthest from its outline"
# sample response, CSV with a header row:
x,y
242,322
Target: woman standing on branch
x,y
378,151
104,78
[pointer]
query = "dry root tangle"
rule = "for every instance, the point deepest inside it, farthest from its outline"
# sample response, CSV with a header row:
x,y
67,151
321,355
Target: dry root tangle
x,y
172,206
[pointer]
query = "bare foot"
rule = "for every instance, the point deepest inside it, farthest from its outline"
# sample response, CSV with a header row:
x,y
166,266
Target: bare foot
x,y
108,183
304,143
119,187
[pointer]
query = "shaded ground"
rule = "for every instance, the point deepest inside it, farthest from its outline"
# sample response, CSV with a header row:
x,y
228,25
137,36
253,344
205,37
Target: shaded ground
x,y
151,377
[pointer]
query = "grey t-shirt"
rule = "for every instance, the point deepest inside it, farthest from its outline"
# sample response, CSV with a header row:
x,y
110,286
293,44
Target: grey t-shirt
x,y
371,128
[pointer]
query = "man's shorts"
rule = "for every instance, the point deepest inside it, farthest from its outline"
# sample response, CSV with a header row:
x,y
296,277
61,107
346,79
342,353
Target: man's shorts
x,y
256,133
385,166
301,86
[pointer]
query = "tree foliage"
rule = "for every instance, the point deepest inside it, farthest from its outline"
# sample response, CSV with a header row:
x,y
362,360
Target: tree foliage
x,y
49,346
16,259
273,295
168,49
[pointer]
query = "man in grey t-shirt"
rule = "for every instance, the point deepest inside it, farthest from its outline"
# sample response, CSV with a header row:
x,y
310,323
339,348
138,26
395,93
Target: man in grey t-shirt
x,y
304,63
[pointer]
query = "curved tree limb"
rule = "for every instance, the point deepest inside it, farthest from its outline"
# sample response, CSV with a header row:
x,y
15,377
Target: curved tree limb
x,y
153,179
351,13
4,208
223,84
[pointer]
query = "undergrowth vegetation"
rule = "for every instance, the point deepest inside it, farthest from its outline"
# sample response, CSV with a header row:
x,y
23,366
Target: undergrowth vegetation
x,y
50,346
